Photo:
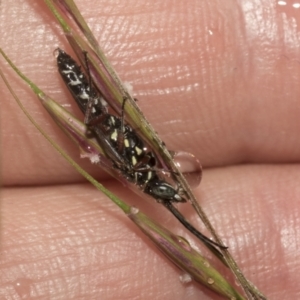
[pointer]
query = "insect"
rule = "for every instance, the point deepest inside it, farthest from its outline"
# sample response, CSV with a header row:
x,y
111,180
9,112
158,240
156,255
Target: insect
x,y
121,143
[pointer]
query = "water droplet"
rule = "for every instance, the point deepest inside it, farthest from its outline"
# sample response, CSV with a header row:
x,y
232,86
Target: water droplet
x,y
206,264
22,287
134,210
56,52
66,105
190,167
210,281
237,283
183,243
185,278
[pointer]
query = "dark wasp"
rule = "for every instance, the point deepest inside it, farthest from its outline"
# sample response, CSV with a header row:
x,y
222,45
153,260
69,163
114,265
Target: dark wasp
x,y
121,144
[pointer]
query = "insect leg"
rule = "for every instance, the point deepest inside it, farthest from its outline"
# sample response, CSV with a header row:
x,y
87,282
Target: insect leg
x,y
191,228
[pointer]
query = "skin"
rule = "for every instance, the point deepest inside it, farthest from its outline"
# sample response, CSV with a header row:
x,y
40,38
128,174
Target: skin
x,y
218,79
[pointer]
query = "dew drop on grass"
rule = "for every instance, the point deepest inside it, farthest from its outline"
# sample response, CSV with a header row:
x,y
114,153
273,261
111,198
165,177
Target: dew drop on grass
x,y
206,264
183,243
134,210
190,167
